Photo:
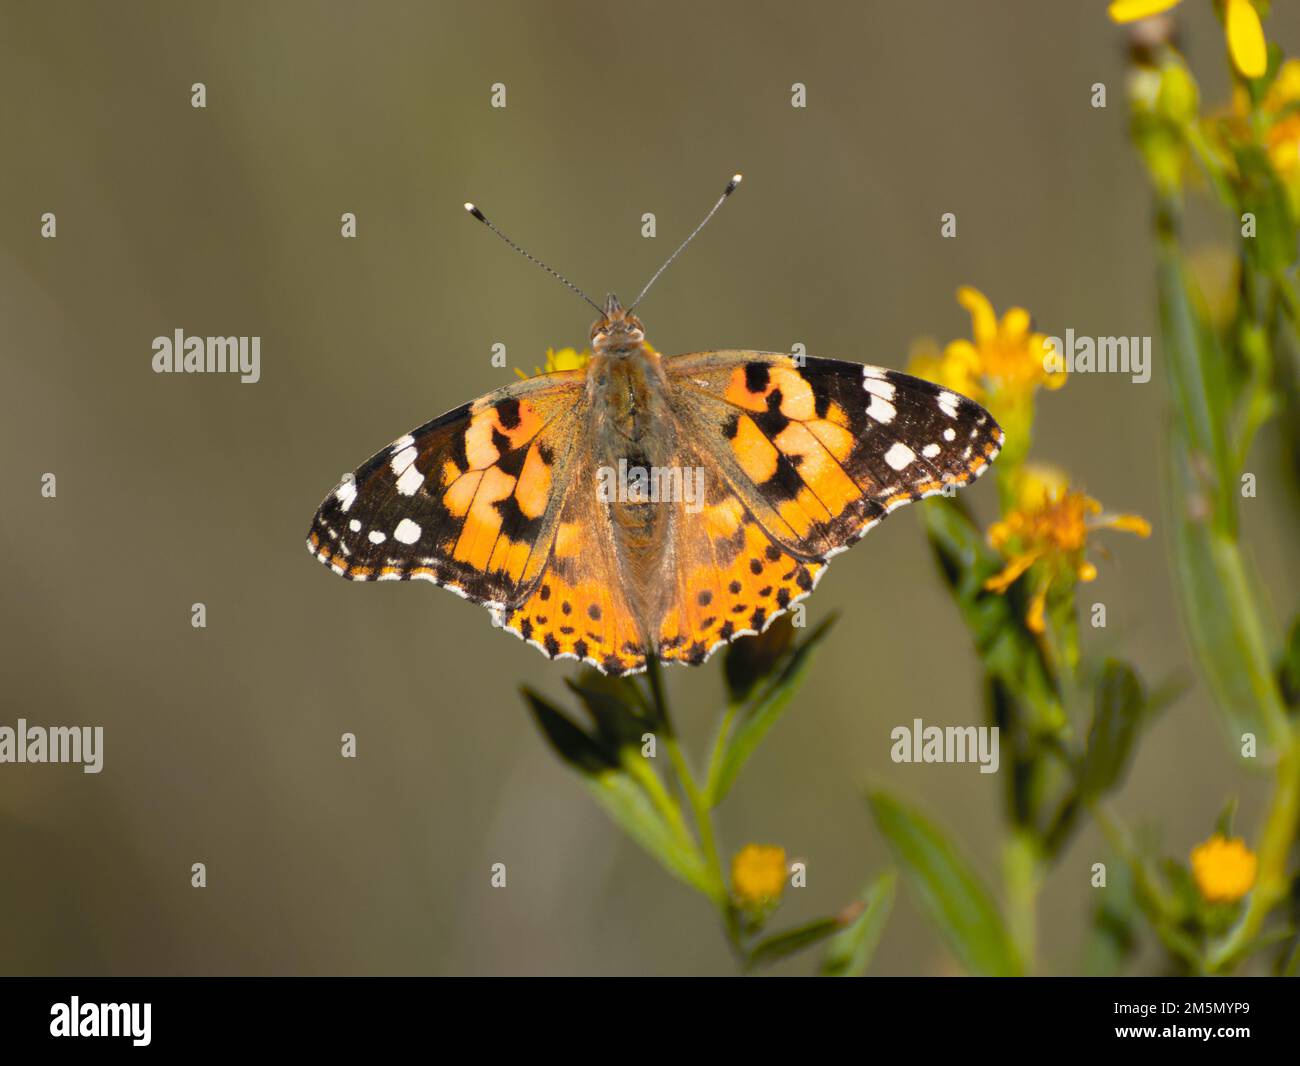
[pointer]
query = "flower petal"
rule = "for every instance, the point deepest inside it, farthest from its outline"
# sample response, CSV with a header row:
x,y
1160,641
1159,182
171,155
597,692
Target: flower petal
x,y
1132,10
984,323
1015,323
1129,523
1017,566
1037,608
1246,38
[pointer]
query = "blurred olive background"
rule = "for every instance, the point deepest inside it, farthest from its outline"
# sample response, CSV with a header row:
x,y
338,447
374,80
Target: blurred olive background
x,y
222,745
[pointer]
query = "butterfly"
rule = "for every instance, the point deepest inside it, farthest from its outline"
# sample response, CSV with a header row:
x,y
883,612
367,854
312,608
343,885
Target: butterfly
x,y
650,505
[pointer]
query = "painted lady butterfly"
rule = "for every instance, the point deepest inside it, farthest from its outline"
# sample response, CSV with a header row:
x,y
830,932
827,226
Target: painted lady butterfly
x,y
504,500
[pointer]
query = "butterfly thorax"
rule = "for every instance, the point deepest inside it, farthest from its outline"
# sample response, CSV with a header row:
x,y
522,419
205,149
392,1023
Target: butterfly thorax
x,y
633,431
625,383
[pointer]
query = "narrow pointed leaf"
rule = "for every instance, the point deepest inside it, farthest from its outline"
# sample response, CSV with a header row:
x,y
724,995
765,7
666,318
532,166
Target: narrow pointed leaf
x,y
621,796
1119,705
1218,608
626,802
747,663
949,890
764,713
850,952
571,743
783,945
1289,671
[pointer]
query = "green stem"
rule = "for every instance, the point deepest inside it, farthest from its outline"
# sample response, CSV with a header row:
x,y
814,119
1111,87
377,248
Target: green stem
x,y
1272,884
1021,874
1150,889
1205,157
1290,299
670,811
1249,631
700,811
719,746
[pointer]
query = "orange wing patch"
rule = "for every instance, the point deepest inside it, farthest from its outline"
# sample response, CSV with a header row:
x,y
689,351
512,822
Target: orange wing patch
x,y
588,619
820,450
467,501
746,390
579,607
748,580
730,576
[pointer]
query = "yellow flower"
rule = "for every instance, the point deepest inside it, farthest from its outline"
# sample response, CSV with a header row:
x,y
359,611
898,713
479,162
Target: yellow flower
x,y
1001,367
564,359
1224,869
1241,23
1005,356
1282,105
1049,525
758,875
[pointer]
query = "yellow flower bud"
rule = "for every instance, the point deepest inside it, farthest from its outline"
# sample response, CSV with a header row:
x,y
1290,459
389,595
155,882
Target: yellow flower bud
x,y
1224,870
758,874
1179,98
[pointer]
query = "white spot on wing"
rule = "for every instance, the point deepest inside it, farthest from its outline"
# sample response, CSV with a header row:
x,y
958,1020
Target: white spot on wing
x,y
899,455
376,537
881,410
931,450
407,531
410,479
948,402
879,387
403,459
346,492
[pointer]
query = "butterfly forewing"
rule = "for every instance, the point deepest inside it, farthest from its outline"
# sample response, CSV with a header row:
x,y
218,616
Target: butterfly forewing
x,y
820,451
468,501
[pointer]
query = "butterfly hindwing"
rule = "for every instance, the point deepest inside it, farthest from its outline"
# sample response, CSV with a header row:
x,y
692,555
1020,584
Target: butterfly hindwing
x,y
579,606
468,501
729,577
820,452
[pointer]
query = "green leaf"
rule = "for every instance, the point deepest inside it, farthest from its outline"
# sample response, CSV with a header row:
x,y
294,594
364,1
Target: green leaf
x,y
763,714
570,742
622,796
1288,961
1223,824
627,803
1219,610
1199,379
619,722
751,660
783,945
949,890
1119,703
1289,671
850,952
1113,938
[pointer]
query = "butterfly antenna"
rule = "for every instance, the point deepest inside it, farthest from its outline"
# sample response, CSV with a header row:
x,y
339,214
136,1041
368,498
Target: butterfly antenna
x,y
732,185
531,258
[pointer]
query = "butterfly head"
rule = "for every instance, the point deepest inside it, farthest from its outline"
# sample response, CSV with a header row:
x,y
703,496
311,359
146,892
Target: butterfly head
x,y
617,331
